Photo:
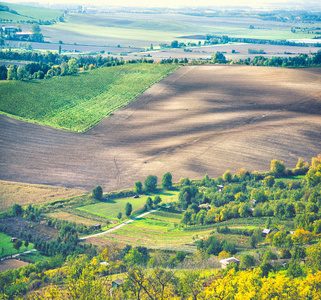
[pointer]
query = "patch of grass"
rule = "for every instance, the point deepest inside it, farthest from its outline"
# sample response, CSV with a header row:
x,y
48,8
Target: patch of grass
x,y
70,217
6,247
79,102
30,13
33,257
111,208
25,194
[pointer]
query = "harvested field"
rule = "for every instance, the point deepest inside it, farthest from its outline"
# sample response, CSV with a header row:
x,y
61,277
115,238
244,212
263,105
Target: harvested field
x,y
10,264
24,194
198,120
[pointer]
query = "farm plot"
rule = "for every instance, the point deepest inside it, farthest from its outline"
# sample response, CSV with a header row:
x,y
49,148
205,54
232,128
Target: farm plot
x,y
161,230
11,264
111,208
6,247
198,120
79,102
25,194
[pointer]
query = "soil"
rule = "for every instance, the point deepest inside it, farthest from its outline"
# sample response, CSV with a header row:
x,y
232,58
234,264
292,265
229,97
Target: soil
x,y
10,264
198,120
37,230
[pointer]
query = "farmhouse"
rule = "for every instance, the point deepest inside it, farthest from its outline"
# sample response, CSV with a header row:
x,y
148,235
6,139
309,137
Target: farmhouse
x,y
220,187
205,205
265,232
14,239
7,29
116,283
23,35
97,226
227,261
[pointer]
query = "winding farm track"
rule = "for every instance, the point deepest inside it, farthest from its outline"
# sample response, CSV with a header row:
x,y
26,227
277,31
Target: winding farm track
x,y
198,120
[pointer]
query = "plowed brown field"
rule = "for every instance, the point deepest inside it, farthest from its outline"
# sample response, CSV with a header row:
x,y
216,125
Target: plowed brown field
x,y
199,119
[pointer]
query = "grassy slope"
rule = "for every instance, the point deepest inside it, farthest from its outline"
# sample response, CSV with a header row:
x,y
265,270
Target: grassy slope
x,y
158,231
29,13
7,246
24,194
111,209
79,102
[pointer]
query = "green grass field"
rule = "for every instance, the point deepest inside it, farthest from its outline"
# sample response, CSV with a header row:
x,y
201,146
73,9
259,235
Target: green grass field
x,y
30,13
6,247
111,209
79,102
161,230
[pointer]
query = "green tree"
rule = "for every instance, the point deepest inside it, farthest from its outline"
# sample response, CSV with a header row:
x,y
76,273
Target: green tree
x,y
247,261
17,244
128,209
35,28
157,200
138,187
259,195
266,267
186,218
313,259
134,257
26,244
269,181
151,183
279,210
218,58
167,181
268,223
97,192
290,210
72,66
277,167
17,209
12,73
149,203
227,176
22,73
279,239
119,216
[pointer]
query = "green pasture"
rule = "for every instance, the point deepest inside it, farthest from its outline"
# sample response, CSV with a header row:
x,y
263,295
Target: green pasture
x,y
33,257
111,208
6,247
162,230
79,102
29,13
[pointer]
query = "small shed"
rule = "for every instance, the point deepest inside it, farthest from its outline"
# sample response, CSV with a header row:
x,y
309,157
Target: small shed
x,y
220,187
253,201
104,263
227,261
97,226
14,239
205,205
265,232
116,283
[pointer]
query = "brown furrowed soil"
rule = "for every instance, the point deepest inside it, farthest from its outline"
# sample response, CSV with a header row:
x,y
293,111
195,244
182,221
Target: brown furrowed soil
x,y
198,120
11,264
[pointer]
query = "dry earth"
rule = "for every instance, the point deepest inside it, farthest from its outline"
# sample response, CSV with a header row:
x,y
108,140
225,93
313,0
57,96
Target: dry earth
x,y
11,264
198,120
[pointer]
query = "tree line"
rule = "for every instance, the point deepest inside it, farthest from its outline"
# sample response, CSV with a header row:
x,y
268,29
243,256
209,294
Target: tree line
x,y
301,60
